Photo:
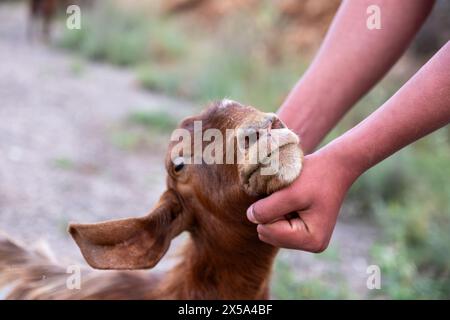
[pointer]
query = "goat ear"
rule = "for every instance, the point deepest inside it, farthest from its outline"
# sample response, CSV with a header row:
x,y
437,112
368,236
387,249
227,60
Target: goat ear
x,y
133,243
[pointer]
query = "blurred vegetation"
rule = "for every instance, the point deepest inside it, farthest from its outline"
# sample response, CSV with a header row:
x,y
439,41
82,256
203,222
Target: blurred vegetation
x,y
286,286
414,254
156,120
63,163
186,62
407,196
144,128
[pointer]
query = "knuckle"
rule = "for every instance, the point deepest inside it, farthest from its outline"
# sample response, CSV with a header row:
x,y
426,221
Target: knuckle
x,y
260,230
319,249
319,245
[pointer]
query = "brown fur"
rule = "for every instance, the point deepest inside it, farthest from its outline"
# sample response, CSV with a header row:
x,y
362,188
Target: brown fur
x,y
223,258
41,12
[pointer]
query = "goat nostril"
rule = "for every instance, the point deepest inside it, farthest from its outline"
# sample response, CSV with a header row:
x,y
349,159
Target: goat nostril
x,y
249,137
277,124
247,142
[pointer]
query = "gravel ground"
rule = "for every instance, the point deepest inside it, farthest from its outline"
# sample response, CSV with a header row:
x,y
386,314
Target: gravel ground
x,y
58,163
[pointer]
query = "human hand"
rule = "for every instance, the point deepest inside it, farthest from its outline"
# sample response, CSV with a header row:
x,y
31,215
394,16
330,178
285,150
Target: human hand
x,y
312,203
420,107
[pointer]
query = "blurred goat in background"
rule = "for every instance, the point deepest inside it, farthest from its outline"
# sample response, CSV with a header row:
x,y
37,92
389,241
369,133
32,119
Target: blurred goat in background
x,y
41,13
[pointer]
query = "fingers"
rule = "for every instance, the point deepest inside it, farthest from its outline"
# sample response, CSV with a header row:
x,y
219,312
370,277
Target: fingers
x,y
292,234
283,233
273,207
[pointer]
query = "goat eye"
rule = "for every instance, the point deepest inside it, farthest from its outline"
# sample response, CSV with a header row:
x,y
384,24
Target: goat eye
x,y
178,167
178,164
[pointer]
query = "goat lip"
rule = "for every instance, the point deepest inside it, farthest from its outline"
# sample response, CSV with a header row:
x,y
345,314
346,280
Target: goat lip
x,y
279,139
265,161
283,137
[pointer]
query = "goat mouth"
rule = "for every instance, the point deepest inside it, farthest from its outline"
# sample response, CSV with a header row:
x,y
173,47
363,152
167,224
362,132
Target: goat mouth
x,y
264,162
281,139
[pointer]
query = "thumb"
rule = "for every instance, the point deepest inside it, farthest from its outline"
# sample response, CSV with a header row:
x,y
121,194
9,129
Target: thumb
x,y
271,208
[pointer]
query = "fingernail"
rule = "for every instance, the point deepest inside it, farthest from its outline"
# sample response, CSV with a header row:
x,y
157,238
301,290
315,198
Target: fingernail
x,y
250,215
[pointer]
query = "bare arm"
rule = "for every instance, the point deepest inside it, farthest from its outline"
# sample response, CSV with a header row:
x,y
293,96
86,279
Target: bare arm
x,y
421,106
418,108
350,61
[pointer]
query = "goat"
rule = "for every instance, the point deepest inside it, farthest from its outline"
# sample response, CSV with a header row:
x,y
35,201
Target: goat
x,y
223,257
42,11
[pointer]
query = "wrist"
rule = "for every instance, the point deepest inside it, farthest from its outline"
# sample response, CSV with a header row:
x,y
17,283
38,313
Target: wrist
x,y
345,159
309,112
303,114
296,121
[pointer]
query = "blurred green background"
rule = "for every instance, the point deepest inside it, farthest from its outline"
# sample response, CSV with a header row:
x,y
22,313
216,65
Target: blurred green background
x,y
254,52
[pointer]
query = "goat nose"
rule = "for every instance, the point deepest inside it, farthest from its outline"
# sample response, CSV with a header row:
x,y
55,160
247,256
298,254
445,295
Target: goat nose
x,y
278,124
273,122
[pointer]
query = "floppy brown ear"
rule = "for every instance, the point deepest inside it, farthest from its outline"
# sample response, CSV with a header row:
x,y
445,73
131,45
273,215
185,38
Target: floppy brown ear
x,y
133,243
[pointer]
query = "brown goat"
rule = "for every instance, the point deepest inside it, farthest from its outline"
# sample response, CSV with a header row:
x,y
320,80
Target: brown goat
x,y
223,258
43,12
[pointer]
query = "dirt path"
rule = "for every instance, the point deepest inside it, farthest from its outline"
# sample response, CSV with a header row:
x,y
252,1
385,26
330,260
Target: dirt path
x,y
58,162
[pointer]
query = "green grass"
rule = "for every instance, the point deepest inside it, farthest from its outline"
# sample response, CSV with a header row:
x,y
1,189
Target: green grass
x,y
153,120
144,129
223,73
286,286
409,196
126,140
331,254
64,163
77,67
122,38
173,59
161,79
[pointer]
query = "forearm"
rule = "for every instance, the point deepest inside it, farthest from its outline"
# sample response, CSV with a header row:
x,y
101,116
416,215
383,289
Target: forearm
x,y
421,106
350,61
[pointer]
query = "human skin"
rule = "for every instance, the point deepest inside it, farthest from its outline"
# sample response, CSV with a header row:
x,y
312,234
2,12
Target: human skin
x,y
323,96
420,107
351,60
